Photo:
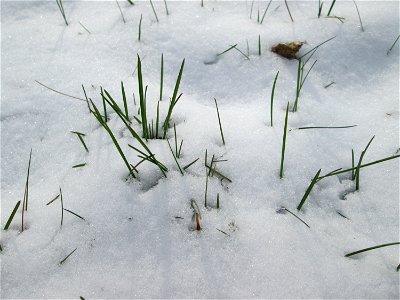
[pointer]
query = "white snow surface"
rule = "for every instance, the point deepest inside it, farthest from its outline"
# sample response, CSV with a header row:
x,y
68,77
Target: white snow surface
x,y
131,245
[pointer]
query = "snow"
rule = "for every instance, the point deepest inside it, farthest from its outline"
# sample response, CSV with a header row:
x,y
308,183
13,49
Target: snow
x,y
131,245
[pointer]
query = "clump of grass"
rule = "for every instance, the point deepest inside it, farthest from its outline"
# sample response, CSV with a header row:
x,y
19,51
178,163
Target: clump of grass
x,y
219,122
284,141
371,248
154,11
120,10
80,135
340,171
150,157
99,118
12,215
394,43
140,27
63,261
272,99
265,12
61,8
330,9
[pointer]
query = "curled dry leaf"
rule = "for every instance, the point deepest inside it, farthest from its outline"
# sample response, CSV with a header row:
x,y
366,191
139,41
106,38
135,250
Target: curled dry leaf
x,y
288,50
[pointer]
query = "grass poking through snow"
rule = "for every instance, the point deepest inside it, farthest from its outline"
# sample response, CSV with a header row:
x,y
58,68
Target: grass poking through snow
x,y
371,248
12,215
284,141
219,122
61,8
272,100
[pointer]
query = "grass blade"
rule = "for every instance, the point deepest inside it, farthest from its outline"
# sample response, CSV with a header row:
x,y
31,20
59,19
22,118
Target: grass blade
x,y
80,136
284,209
62,208
162,76
26,193
63,261
219,122
371,248
52,200
287,7
154,11
140,28
166,7
61,8
71,212
120,10
177,163
316,47
230,48
272,98
330,9
79,165
359,17
124,100
359,164
324,127
174,100
12,215
284,141
309,189
188,165
390,49
265,12
142,100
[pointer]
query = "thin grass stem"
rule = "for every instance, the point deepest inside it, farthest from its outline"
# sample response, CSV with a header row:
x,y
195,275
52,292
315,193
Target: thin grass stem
x,y
284,141
12,215
371,248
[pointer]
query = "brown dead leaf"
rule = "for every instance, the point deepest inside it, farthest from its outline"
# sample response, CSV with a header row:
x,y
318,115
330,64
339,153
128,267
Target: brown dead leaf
x,y
287,50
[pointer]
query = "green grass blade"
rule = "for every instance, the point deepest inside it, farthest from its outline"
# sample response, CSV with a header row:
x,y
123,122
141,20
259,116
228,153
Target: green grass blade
x,y
330,9
174,100
309,189
230,48
390,49
87,100
162,76
124,100
62,208
142,99
96,113
188,165
259,45
219,122
154,11
359,164
360,167
52,200
75,214
177,163
140,27
63,261
166,7
272,99
12,215
316,47
284,142
265,12
26,193
79,165
371,248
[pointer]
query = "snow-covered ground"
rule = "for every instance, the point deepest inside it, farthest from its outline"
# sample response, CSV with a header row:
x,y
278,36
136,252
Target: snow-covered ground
x,y
137,240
